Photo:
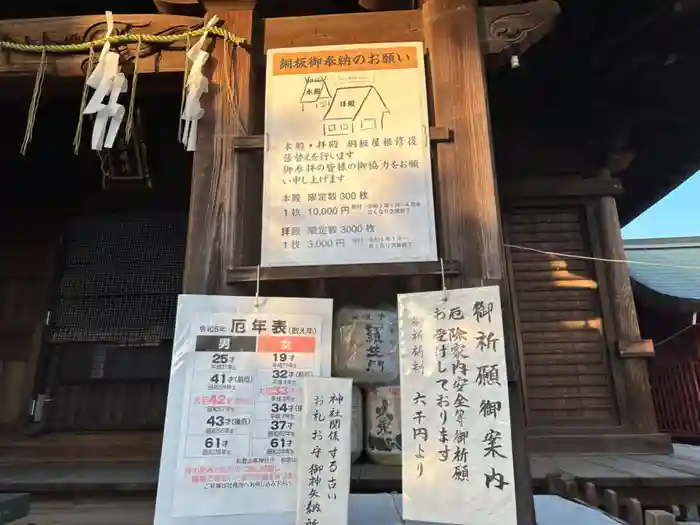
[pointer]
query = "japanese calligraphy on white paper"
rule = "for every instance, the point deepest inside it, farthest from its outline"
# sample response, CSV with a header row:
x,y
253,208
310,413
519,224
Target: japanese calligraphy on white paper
x,y
457,450
347,177
324,452
234,405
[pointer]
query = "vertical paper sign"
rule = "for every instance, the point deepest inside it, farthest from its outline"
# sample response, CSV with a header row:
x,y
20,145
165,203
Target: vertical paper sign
x,y
235,403
324,452
347,177
457,450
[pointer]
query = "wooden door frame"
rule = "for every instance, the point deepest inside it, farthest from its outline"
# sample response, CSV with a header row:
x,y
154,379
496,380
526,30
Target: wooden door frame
x,y
606,306
29,385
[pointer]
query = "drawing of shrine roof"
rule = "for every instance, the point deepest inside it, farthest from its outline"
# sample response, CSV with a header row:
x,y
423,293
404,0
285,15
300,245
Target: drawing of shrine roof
x,y
349,101
315,89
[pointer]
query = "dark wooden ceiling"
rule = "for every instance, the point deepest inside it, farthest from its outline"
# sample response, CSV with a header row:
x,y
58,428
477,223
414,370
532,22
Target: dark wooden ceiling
x,y
625,74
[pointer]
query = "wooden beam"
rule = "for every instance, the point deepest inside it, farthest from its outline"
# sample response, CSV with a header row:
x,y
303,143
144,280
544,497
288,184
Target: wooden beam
x,y
465,176
514,28
559,187
79,29
328,30
509,28
386,5
250,273
180,7
639,411
642,348
437,135
396,26
468,215
222,6
226,186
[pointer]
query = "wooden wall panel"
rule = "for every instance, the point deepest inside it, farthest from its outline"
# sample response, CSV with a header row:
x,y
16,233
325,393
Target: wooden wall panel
x,y
97,387
353,28
119,405
567,373
26,267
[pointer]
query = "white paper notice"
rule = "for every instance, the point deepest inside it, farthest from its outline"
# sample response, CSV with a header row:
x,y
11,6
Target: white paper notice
x,y
234,405
347,177
457,452
324,452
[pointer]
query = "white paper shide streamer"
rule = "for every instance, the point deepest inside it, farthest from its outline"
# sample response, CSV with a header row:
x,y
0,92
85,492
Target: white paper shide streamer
x,y
107,81
195,86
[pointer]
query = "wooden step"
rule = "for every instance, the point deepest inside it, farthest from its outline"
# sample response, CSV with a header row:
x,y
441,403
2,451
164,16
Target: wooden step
x,y
602,443
97,446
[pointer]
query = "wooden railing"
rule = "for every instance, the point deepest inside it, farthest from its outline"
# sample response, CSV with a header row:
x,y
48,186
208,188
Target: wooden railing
x,y
628,511
676,393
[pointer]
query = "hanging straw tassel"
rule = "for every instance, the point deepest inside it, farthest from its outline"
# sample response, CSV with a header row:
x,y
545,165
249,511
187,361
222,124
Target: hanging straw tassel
x,y
229,51
132,98
83,101
232,91
34,104
184,90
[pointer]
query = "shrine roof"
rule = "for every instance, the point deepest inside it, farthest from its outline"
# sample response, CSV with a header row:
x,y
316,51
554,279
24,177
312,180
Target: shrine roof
x,y
669,267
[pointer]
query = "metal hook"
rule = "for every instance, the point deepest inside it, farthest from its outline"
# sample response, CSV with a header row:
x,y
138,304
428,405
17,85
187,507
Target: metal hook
x,y
444,285
257,288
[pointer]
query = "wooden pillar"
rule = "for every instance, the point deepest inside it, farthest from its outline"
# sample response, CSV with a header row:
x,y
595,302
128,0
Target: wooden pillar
x,y
222,201
13,376
467,204
639,411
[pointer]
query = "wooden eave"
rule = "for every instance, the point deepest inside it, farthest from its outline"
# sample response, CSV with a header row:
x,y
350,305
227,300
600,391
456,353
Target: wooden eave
x,y
79,29
505,27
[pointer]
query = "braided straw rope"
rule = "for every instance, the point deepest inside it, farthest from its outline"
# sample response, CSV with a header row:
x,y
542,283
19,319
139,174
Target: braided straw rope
x,y
121,39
